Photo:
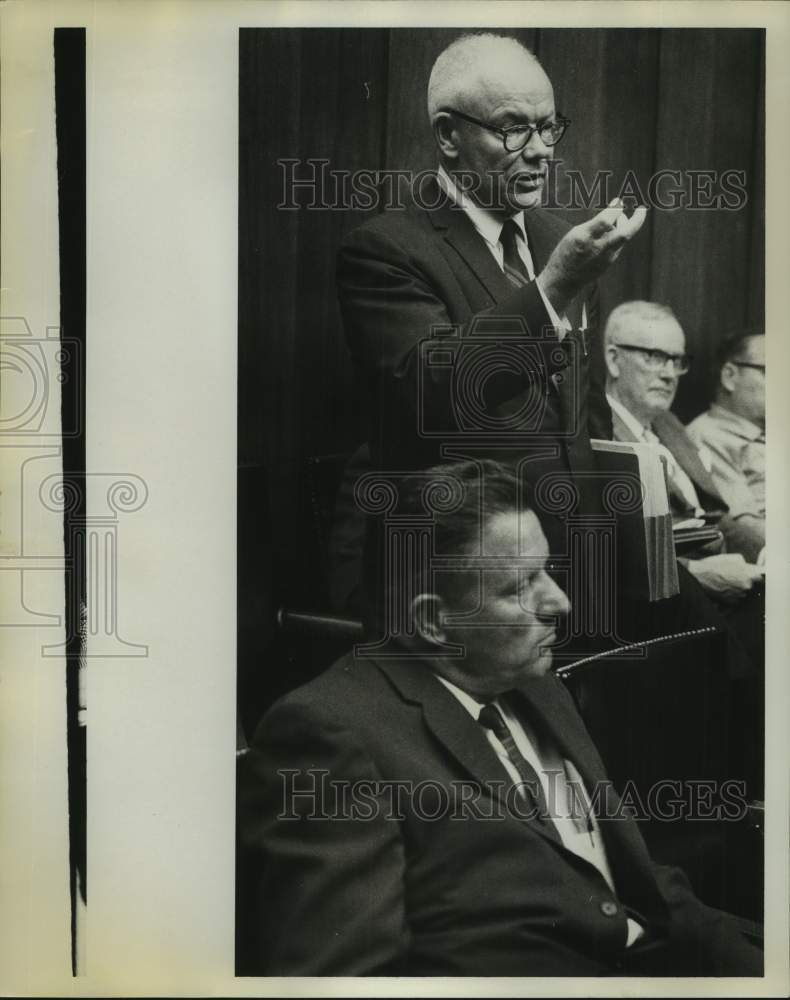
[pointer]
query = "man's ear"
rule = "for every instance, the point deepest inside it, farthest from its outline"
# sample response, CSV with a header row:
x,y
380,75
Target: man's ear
x,y
729,376
612,363
445,135
426,613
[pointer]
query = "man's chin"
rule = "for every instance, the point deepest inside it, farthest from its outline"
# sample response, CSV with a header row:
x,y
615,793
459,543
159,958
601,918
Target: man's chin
x,y
541,666
523,201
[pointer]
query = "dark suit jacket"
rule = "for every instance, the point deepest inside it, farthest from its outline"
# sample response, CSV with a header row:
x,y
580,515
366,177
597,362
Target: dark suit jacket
x,y
394,892
406,274
738,536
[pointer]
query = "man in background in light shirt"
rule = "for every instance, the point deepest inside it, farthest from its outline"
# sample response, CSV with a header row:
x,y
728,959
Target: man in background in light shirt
x,y
645,351
732,430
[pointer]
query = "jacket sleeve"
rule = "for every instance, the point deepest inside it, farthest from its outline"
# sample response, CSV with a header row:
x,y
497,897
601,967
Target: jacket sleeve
x,y
712,939
326,862
391,305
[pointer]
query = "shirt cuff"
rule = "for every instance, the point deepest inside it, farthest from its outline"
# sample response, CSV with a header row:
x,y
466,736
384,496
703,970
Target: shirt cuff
x,y
560,323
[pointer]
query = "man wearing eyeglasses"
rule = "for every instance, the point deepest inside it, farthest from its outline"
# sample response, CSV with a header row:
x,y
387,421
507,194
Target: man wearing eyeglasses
x,y
733,429
645,358
470,315
476,247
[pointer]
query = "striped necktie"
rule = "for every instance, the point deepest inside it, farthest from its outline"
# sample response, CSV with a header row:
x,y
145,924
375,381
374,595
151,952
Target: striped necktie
x,y
491,718
515,268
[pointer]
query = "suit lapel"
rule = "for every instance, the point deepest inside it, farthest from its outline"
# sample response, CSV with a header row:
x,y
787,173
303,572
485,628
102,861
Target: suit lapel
x,y
625,849
672,434
454,728
620,430
457,230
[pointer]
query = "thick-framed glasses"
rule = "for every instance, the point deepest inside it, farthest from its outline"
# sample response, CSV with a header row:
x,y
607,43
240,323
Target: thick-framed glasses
x,y
656,360
749,364
516,137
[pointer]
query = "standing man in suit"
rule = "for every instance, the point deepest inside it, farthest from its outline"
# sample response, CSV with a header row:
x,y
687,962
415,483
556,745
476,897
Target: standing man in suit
x,y
469,315
444,812
645,357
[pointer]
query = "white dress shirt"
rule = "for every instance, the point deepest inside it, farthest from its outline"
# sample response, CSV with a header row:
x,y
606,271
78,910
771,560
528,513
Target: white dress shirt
x,y
679,478
490,228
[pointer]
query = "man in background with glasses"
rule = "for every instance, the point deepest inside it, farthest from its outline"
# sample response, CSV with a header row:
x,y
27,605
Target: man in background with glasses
x,y
732,431
645,358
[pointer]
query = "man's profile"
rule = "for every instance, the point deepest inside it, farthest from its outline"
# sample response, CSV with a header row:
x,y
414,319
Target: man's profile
x,y
732,429
645,358
420,815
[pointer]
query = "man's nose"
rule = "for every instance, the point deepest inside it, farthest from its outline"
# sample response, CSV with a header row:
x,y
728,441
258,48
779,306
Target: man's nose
x,y
536,148
554,600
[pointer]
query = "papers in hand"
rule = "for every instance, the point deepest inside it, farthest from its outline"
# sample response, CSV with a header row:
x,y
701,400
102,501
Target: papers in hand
x,y
689,522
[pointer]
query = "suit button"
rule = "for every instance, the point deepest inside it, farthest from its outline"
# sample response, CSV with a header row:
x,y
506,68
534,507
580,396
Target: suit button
x,y
609,909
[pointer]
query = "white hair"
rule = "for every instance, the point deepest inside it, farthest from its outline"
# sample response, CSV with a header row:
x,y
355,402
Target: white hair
x,y
624,317
456,67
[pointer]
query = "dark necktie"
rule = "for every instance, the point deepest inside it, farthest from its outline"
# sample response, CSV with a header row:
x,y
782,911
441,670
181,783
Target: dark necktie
x,y
491,718
514,266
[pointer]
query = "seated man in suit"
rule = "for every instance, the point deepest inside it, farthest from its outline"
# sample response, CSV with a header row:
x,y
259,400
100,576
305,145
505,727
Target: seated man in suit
x,y
443,811
732,431
645,352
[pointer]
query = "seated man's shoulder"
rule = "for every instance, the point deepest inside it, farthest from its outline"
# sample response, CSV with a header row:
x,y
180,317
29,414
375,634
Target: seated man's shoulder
x,y
344,693
701,425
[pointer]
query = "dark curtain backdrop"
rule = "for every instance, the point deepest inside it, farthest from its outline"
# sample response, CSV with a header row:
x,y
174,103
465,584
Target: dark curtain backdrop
x,y
640,100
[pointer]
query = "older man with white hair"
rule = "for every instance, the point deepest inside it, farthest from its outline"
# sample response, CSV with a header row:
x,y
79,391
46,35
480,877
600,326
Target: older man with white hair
x,y
469,316
646,356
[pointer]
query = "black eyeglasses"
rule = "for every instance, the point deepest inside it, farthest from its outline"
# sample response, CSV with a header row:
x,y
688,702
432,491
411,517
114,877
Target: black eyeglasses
x,y
656,360
516,137
749,364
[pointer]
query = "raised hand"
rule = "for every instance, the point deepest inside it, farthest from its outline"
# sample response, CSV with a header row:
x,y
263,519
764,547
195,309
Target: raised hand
x,y
586,251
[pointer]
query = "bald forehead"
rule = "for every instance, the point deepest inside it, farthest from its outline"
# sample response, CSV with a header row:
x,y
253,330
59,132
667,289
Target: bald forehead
x,y
480,72
661,332
754,349
516,78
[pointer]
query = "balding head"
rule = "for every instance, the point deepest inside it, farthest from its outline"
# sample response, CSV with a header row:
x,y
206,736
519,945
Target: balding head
x,y
479,85
644,345
741,387
474,65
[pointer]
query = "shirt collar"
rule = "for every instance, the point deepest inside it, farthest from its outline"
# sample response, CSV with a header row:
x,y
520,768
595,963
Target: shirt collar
x,y
472,705
486,223
743,427
627,417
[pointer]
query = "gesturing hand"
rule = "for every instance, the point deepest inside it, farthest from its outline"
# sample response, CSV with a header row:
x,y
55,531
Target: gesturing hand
x,y
586,251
